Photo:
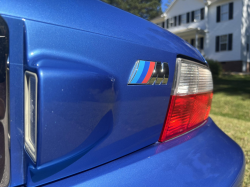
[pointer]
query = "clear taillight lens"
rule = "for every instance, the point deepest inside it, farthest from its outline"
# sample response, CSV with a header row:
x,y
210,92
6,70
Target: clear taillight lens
x,y
31,114
190,100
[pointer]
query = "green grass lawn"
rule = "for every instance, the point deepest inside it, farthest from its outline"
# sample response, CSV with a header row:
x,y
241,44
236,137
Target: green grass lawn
x,y
231,112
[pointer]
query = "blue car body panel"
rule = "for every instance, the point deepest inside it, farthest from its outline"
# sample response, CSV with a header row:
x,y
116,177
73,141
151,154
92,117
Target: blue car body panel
x,y
100,18
203,157
83,53
16,99
80,88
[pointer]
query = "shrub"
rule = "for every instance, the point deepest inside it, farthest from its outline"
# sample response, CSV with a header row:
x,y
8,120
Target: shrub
x,y
215,67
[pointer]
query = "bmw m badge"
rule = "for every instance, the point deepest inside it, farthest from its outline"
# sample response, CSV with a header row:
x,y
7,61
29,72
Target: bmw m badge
x,y
148,72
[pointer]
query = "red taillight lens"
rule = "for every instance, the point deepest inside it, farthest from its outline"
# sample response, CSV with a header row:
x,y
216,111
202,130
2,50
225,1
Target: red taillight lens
x,y
191,99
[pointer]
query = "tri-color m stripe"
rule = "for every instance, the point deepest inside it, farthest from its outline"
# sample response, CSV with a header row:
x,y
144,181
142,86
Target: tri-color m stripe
x,y
143,71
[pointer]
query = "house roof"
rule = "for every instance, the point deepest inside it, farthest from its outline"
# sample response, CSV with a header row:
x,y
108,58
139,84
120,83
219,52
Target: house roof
x,y
158,19
190,30
172,4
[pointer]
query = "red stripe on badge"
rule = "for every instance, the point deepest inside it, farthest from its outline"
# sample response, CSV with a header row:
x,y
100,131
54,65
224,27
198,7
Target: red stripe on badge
x,y
150,71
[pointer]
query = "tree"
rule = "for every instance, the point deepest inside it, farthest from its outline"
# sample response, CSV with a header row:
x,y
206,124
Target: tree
x,y
167,4
147,9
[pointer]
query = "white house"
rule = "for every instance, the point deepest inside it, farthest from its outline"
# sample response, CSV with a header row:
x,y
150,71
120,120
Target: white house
x,y
220,29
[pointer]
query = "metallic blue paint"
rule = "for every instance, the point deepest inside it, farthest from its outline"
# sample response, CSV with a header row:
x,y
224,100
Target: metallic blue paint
x,y
203,157
79,85
87,115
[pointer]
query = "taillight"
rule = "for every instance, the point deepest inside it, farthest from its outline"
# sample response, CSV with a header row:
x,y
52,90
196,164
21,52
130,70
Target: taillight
x,y
190,100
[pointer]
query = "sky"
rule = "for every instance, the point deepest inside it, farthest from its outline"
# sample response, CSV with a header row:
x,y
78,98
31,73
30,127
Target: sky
x,y
162,5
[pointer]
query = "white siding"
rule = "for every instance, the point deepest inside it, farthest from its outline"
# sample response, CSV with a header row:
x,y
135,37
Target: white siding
x,y
224,27
182,7
239,26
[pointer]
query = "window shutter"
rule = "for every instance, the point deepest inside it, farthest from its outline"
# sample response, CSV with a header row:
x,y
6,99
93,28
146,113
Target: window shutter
x,y
201,43
188,15
192,16
231,10
230,42
202,13
175,21
179,19
192,42
163,24
218,14
217,44
167,23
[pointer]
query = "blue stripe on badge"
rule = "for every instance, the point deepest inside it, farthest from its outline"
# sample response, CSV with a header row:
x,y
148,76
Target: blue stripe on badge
x,y
144,72
139,72
133,73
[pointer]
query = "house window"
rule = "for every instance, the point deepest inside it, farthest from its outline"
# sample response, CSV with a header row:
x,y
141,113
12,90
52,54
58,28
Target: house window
x,y
223,43
224,12
163,24
192,42
171,22
183,18
201,43
197,15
